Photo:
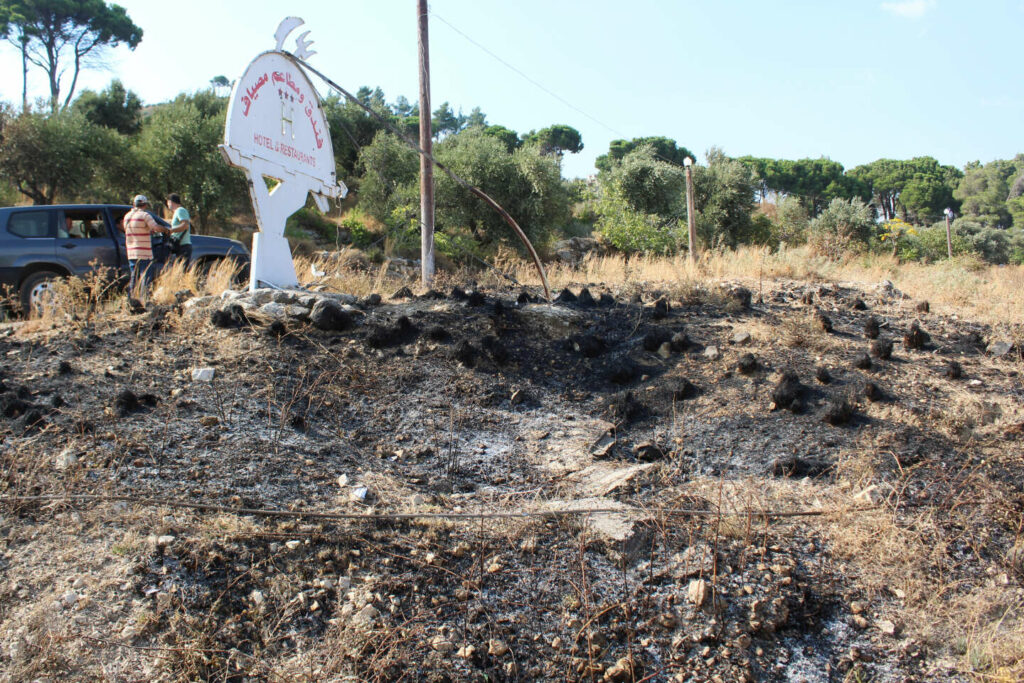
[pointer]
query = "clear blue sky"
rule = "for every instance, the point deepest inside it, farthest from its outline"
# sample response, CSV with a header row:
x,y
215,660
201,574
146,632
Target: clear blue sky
x,y
853,81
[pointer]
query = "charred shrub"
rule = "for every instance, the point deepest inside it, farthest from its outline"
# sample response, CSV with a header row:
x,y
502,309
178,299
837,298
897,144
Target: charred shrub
x,y
624,408
872,328
585,298
475,298
230,316
839,411
680,342
799,467
923,307
823,321
566,297
822,374
882,349
589,345
438,334
740,296
747,364
403,293
606,299
465,353
128,402
12,405
495,349
458,294
401,332
661,309
859,305
684,390
655,338
873,392
862,361
915,338
626,372
787,390
954,370
330,316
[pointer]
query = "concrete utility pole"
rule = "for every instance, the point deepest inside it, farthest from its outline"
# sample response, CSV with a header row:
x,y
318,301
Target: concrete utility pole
x,y
949,237
426,167
691,218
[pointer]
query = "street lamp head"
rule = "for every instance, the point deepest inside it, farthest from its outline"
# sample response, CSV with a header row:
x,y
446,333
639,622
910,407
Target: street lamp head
x,y
948,211
687,161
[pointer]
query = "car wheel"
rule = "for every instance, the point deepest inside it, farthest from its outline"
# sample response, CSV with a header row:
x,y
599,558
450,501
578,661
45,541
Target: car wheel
x,y
34,289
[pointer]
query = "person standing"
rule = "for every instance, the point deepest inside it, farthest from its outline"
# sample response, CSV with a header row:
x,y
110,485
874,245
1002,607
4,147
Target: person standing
x,y
139,227
181,229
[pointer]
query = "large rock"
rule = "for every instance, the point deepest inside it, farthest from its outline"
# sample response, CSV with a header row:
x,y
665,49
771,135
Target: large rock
x,y
274,310
574,250
603,478
329,315
1000,349
624,536
555,322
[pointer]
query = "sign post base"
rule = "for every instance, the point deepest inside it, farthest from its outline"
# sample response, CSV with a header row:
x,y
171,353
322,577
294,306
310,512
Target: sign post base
x,y
272,262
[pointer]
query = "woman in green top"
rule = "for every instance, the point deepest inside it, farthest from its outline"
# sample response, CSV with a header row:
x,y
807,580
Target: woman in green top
x,y
181,229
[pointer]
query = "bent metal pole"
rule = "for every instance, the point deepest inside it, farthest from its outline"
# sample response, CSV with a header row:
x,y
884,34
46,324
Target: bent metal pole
x,y
451,174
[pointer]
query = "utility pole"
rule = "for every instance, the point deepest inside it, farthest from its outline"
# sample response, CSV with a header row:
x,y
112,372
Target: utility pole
x,y
426,166
24,73
691,219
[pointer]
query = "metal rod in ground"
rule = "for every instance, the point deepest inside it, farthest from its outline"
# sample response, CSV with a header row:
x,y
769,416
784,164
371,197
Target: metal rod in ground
x,y
357,516
451,174
426,168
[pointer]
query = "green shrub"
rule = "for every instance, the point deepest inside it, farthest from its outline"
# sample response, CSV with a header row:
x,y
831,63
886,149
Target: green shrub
x,y
631,231
791,220
844,225
307,223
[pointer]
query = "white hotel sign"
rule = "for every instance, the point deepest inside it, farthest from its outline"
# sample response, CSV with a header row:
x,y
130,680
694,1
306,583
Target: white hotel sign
x,y
276,129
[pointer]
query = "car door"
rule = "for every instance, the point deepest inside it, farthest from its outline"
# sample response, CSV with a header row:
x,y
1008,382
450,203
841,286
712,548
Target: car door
x,y
26,239
85,242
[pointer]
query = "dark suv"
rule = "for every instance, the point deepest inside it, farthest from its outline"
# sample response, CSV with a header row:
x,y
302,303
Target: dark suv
x,y
41,243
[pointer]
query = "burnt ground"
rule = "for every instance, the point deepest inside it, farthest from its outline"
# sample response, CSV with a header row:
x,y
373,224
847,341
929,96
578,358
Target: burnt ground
x,y
689,419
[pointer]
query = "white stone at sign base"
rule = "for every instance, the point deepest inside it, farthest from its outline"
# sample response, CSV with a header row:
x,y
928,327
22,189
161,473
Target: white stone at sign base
x,y
276,129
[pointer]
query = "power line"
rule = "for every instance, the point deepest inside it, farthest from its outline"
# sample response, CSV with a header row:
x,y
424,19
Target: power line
x,y
527,78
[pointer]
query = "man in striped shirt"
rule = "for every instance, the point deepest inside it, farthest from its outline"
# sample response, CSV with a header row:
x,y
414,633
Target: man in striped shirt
x,y
139,227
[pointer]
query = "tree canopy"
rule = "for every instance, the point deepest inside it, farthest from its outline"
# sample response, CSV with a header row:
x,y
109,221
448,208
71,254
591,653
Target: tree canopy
x,y
56,32
556,140
664,148
114,107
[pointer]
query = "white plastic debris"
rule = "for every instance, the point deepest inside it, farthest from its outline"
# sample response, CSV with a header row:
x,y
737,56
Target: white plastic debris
x,y
202,375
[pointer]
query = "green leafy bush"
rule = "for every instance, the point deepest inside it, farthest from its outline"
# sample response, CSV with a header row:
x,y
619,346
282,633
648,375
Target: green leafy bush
x,y
844,225
633,231
308,223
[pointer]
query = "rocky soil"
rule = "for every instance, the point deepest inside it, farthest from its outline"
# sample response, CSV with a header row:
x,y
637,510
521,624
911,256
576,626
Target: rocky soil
x,y
804,483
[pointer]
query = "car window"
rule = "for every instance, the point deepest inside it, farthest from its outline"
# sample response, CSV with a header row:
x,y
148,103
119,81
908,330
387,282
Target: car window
x,y
31,224
82,224
118,215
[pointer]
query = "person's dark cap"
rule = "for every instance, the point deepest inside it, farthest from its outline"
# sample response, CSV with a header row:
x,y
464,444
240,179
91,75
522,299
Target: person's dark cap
x,y
174,197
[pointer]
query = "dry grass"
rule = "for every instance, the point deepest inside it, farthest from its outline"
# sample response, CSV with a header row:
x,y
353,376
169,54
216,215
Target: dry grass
x,y
346,271
986,293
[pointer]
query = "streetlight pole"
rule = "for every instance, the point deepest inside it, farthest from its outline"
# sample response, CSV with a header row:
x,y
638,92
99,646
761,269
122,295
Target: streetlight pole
x,y
691,219
949,238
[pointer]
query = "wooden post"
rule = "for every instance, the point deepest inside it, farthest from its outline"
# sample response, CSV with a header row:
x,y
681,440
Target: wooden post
x,y
426,167
691,218
949,236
